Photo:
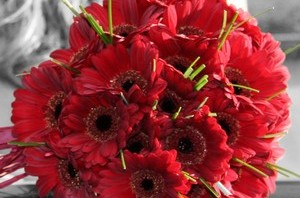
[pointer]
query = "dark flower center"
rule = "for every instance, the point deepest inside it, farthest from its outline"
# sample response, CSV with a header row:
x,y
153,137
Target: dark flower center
x,y
102,123
189,31
197,191
179,62
185,145
57,111
138,142
147,183
230,125
68,174
72,172
189,143
235,77
54,108
124,30
169,102
129,78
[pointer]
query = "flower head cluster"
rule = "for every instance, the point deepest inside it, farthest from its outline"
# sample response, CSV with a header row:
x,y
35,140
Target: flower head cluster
x,y
173,98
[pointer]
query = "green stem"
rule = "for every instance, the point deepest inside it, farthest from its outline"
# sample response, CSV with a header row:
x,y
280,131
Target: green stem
x,y
227,32
26,144
210,188
154,106
110,20
223,24
190,69
197,71
202,103
176,114
250,167
189,177
275,95
75,71
71,7
98,29
123,98
123,160
274,135
292,49
276,167
253,17
244,87
201,83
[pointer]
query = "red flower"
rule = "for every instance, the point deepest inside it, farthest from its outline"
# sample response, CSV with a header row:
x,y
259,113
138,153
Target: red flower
x,y
200,144
130,16
245,124
155,175
133,73
257,185
57,174
37,107
256,69
84,43
96,127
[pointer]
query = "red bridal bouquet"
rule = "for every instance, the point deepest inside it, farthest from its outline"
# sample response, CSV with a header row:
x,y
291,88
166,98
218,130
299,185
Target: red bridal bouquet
x,y
153,99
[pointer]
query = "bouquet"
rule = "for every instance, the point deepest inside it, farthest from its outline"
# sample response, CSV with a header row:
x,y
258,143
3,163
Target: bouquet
x,y
173,98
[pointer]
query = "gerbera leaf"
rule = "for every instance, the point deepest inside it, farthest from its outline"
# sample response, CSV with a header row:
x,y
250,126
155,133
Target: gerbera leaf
x,y
26,144
210,188
250,167
227,32
201,83
110,20
279,168
197,71
123,160
244,87
71,7
190,69
92,21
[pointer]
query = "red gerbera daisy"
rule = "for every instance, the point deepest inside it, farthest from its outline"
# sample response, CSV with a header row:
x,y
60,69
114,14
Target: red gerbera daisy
x,y
252,69
129,16
57,172
38,105
134,73
200,144
245,124
155,175
179,93
97,126
84,43
258,186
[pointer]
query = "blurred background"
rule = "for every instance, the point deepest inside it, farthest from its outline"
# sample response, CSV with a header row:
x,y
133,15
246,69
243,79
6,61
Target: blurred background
x,y
29,32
